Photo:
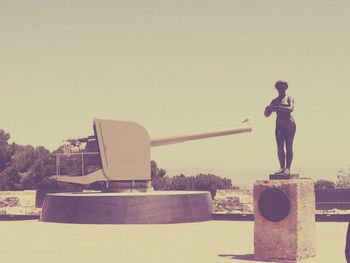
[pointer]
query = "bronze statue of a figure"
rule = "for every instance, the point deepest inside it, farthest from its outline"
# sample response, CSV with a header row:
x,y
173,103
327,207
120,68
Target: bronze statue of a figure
x,y
283,105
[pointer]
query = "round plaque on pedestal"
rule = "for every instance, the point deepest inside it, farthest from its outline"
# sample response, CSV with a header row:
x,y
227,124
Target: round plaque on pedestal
x,y
274,204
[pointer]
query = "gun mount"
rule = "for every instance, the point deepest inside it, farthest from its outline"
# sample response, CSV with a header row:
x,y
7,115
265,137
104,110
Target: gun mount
x,y
122,151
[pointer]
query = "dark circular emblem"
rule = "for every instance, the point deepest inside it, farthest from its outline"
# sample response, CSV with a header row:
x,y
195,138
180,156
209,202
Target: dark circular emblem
x,y
274,204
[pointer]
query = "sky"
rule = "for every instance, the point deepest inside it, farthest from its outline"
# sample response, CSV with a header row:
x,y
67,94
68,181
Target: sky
x,y
180,67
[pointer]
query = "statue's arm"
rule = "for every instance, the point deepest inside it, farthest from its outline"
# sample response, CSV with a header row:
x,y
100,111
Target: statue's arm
x,y
267,111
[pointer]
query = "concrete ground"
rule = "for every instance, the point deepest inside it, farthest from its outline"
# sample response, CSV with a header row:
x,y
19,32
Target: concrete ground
x,y
213,241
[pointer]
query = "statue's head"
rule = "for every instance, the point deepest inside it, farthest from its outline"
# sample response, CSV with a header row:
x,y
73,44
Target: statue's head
x,y
281,85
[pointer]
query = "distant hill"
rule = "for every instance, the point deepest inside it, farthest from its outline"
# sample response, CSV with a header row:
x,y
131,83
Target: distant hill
x,y
245,178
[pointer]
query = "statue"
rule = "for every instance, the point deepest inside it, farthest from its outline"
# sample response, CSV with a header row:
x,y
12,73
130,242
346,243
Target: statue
x,y
283,105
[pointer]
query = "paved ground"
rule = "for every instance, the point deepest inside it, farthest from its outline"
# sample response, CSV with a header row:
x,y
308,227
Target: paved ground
x,y
214,241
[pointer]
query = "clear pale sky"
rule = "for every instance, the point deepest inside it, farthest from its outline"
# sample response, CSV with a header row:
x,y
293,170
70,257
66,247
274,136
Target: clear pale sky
x,y
179,67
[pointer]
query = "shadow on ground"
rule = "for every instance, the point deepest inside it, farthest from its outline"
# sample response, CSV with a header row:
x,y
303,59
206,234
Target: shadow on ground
x,y
246,257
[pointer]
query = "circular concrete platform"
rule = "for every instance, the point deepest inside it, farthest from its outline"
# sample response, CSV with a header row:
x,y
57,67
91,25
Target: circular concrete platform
x,y
159,207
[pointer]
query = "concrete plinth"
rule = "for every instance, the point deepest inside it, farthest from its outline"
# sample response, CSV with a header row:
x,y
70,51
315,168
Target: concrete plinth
x,y
158,207
284,215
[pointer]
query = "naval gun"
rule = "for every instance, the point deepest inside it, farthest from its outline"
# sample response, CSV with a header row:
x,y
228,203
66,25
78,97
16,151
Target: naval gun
x,y
121,151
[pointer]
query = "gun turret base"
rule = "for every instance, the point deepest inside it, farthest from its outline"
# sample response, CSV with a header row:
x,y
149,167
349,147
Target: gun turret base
x,y
128,186
158,207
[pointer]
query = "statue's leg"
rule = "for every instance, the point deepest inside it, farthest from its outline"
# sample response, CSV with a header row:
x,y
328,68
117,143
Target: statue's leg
x,y
280,140
289,143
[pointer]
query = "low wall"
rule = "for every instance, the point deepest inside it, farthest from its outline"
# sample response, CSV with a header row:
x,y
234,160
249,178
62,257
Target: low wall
x,y
332,195
18,202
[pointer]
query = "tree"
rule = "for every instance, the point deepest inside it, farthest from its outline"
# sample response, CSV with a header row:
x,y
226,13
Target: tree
x,y
200,182
322,185
42,167
6,150
155,171
210,182
159,181
28,167
343,178
162,183
182,182
10,179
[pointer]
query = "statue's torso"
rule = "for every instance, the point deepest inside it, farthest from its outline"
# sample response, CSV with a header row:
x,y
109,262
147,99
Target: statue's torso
x,y
283,116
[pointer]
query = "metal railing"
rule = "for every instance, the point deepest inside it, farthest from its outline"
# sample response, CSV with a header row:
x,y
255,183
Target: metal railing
x,y
58,160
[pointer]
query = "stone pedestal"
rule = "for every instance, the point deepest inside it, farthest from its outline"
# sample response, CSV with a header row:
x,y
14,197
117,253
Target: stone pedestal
x,y
284,215
157,207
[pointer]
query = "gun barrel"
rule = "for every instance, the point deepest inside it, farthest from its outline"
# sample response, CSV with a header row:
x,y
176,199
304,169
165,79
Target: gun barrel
x,y
184,138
